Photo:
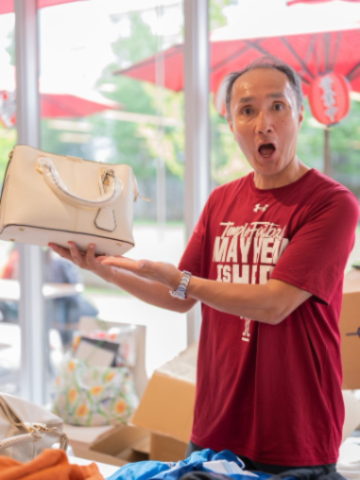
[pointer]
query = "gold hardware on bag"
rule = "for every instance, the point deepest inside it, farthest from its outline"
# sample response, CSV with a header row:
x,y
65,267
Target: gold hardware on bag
x,y
106,172
12,240
11,154
119,244
39,169
21,229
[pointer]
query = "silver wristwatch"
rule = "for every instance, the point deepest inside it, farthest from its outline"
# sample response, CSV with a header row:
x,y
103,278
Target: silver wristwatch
x,y
180,292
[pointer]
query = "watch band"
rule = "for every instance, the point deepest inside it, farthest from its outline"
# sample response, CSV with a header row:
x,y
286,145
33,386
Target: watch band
x,y
180,292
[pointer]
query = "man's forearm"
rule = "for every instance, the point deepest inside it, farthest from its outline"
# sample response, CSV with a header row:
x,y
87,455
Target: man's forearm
x,y
268,303
148,291
243,300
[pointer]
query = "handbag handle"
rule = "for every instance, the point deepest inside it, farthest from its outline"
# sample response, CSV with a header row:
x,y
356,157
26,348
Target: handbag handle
x,y
18,440
34,435
51,177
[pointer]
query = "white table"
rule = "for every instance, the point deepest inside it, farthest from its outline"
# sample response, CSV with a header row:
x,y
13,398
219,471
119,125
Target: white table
x,y
105,470
10,290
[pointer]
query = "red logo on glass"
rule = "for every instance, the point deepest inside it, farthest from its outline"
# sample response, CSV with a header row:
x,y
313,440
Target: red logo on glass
x,y
329,98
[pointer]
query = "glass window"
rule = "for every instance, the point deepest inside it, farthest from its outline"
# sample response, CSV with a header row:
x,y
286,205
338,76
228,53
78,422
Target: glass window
x,y
10,292
9,298
137,123
315,39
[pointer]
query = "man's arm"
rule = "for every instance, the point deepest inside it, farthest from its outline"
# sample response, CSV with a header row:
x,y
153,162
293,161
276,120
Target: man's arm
x,y
270,303
147,290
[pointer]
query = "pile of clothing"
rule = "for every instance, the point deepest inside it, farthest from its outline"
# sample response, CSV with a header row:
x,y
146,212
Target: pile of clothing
x,y
51,464
202,465
208,465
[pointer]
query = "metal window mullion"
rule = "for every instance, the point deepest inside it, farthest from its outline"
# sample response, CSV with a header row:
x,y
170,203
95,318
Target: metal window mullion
x,y
197,130
34,341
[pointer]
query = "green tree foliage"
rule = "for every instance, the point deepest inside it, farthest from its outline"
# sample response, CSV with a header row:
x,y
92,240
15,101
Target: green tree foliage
x,y
142,144
11,46
217,18
7,136
7,143
344,146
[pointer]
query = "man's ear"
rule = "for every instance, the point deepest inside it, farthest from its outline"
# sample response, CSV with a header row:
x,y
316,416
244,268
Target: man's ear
x,y
301,115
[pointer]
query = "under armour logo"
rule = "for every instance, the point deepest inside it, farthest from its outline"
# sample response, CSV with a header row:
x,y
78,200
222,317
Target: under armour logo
x,y
258,207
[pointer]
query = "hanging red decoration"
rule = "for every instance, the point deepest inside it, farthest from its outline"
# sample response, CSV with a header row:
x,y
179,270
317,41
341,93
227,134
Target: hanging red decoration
x,y
329,98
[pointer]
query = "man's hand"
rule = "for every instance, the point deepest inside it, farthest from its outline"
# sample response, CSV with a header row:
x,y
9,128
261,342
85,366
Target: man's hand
x,y
164,273
148,281
83,260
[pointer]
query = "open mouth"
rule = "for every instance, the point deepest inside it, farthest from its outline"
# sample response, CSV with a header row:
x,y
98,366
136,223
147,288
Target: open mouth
x,y
267,149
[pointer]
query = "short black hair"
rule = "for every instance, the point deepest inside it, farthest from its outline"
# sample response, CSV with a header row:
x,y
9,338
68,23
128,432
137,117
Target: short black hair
x,y
271,62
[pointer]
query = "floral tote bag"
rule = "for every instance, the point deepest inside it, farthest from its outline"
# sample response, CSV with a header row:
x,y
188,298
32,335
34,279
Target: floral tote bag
x,y
94,396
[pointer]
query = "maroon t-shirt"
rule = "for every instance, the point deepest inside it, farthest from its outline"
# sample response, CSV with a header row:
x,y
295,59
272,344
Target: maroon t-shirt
x,y
273,393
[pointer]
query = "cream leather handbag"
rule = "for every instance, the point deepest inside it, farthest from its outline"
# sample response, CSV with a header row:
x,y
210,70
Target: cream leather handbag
x,y
52,198
27,429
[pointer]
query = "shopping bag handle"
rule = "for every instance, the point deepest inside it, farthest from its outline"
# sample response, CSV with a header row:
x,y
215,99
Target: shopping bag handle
x,y
45,166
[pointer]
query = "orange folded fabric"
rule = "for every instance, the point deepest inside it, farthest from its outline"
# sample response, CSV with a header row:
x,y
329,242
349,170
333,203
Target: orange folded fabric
x,y
49,465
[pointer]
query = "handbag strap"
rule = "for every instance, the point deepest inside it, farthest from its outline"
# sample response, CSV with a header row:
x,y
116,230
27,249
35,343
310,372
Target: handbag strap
x,y
35,433
34,429
18,440
45,166
9,414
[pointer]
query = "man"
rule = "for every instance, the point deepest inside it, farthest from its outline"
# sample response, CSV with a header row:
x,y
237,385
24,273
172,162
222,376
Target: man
x,y
267,259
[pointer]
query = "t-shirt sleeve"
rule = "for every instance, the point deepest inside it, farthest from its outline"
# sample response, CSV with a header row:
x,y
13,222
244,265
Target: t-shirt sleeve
x,y
316,256
191,259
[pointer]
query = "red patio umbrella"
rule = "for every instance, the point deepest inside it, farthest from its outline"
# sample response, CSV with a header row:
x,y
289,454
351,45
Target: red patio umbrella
x,y
55,105
293,2
7,6
312,54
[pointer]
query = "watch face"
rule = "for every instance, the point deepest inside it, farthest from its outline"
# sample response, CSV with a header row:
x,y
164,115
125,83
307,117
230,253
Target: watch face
x,y
177,294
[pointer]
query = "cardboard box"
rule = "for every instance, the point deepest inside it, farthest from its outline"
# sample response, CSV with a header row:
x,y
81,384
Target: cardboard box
x,y
116,446
165,449
161,426
167,406
350,331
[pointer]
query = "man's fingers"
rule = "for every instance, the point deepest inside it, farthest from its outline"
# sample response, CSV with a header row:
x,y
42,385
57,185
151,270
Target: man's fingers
x,y
76,255
134,266
118,261
90,254
63,252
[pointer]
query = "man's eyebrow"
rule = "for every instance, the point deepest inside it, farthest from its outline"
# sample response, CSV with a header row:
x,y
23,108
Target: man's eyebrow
x,y
246,99
276,95
251,99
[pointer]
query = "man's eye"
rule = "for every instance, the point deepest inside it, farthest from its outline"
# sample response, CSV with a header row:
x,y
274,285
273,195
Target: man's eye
x,y
278,106
246,111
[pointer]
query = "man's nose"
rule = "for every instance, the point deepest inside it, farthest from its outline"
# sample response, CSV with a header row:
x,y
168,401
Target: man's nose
x,y
264,123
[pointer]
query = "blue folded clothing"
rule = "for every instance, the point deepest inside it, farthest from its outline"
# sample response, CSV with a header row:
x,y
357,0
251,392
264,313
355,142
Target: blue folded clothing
x,y
222,463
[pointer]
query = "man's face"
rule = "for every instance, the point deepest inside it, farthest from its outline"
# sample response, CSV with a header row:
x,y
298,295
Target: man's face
x,y
265,120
